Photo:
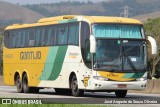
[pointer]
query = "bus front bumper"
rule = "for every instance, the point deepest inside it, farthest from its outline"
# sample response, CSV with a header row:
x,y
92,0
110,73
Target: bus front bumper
x,y
114,85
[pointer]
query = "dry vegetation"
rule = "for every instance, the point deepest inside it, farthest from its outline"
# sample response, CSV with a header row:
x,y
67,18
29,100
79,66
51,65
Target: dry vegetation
x,y
144,17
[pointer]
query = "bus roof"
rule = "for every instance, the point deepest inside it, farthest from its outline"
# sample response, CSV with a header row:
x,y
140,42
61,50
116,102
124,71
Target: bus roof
x,y
68,18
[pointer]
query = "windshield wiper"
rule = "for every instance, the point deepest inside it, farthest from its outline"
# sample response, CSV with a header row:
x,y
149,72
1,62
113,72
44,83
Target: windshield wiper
x,y
130,62
128,59
111,69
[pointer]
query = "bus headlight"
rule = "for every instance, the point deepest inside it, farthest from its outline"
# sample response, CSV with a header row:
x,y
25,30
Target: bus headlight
x,y
100,78
141,79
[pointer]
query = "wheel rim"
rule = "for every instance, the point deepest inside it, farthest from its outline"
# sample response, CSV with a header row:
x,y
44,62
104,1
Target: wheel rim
x,y
74,85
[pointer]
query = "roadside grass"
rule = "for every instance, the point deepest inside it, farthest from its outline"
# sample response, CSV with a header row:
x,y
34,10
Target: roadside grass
x,y
54,105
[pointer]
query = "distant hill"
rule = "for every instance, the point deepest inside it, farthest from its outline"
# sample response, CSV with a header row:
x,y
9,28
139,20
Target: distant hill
x,y
147,1
11,13
64,8
86,9
137,7
144,17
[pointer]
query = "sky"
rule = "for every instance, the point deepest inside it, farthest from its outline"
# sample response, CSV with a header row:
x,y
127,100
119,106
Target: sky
x,y
45,1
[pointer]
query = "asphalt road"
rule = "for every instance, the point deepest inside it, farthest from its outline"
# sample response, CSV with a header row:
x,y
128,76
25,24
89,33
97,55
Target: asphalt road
x,y
49,96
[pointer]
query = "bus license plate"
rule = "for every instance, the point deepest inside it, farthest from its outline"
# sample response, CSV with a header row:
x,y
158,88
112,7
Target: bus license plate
x,y
122,85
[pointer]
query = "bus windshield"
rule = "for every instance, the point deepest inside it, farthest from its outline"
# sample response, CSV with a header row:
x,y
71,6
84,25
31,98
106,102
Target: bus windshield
x,y
120,55
126,55
120,47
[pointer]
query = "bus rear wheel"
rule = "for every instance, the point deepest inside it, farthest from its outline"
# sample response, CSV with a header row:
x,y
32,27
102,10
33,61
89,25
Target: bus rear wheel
x,y
26,88
25,84
19,84
121,93
74,87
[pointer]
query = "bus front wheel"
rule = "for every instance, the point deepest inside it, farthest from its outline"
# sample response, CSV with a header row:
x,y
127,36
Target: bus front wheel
x,y
121,93
19,84
74,87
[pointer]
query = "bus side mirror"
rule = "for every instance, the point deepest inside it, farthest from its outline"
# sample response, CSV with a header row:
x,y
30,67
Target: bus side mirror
x,y
92,44
153,44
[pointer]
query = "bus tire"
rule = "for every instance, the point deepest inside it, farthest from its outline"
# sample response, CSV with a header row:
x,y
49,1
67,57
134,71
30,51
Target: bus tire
x,y
121,93
19,84
74,87
26,88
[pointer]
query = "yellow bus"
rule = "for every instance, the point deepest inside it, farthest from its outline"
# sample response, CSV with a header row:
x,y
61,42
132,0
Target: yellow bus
x,y
74,54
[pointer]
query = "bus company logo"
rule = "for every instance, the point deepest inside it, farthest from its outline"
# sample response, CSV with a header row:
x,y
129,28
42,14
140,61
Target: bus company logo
x,y
85,81
6,101
30,55
73,54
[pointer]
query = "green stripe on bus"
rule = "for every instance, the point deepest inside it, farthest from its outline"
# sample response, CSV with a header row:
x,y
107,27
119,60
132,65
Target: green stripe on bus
x,y
59,60
134,75
138,74
54,62
128,75
48,66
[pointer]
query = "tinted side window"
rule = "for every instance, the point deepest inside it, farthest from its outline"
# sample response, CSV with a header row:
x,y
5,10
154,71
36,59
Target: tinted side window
x,y
62,34
14,37
10,44
51,36
6,39
48,36
73,34
9,39
85,33
37,37
43,39
31,37
87,54
19,36
27,38
23,38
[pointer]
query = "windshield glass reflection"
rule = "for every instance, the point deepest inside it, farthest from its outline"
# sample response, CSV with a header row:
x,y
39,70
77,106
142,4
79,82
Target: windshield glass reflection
x,y
120,55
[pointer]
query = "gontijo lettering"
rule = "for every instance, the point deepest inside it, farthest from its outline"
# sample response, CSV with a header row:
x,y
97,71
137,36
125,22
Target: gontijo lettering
x,y
30,55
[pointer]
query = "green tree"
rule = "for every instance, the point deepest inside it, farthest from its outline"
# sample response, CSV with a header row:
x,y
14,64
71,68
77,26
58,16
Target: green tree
x,y
1,49
152,28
